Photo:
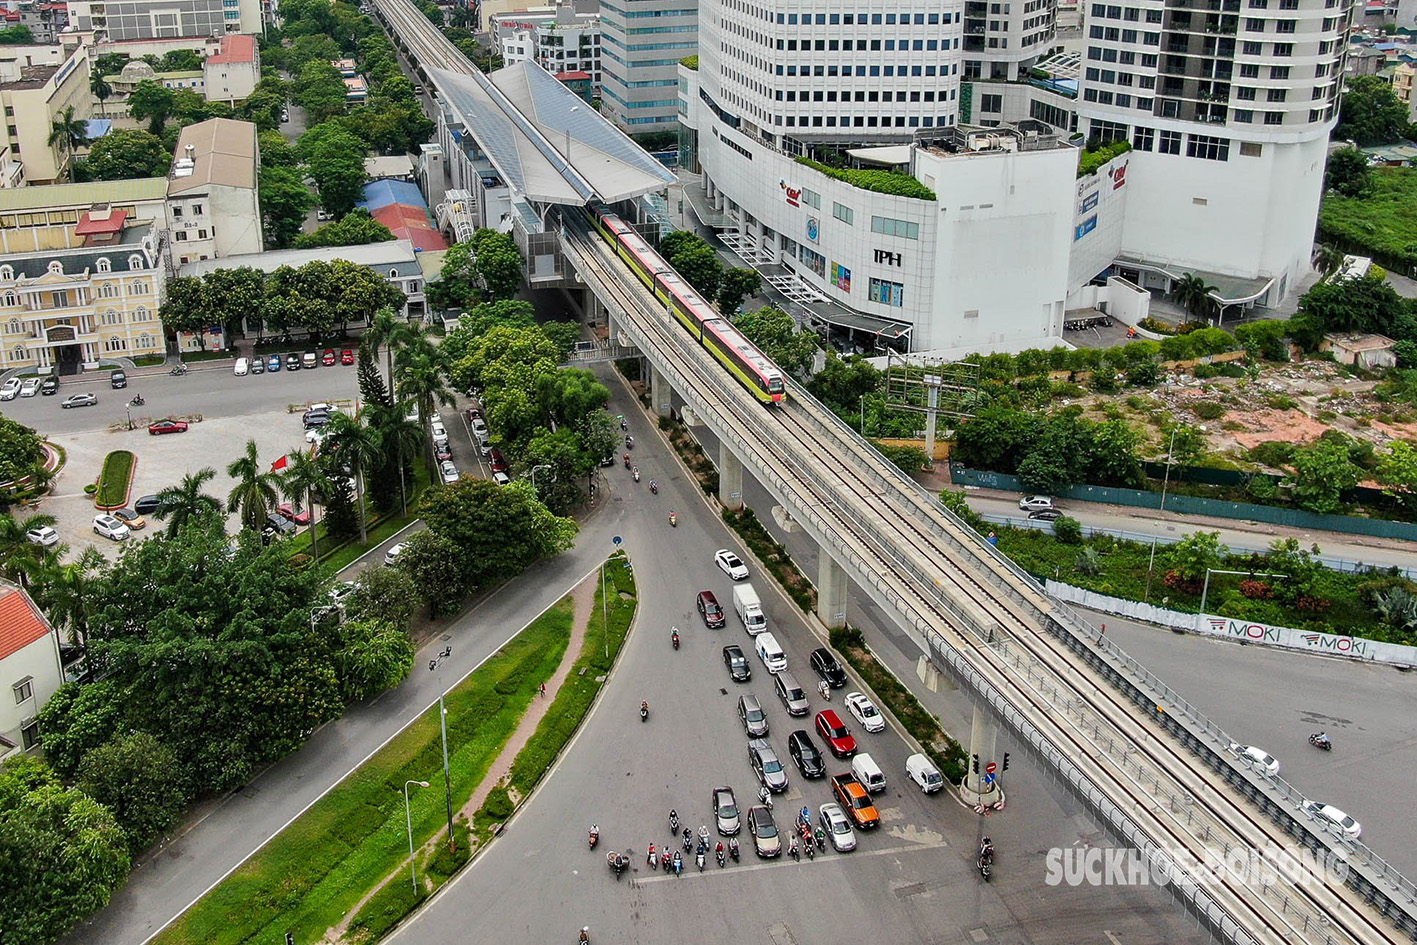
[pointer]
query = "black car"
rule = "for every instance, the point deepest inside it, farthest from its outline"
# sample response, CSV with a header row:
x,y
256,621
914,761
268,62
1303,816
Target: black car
x,y
118,380
826,666
292,362
315,418
49,386
1045,515
737,663
146,505
279,525
808,759
710,610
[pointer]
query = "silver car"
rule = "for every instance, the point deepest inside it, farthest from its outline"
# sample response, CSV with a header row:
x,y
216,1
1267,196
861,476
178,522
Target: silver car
x,y
725,811
750,713
450,472
837,827
765,762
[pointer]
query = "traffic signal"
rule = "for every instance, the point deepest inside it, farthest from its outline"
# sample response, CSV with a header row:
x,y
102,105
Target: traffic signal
x,y
1006,761
976,764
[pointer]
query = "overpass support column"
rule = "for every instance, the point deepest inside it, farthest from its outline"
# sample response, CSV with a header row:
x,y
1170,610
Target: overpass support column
x,y
660,393
979,787
730,478
831,590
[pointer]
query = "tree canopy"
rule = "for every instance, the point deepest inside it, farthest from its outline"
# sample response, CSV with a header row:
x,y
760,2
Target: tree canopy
x,y
123,155
1371,112
356,228
497,531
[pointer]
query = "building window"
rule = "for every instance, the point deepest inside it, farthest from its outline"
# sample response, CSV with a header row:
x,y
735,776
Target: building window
x,y
1277,95
14,326
991,103
1144,139
56,268
1207,148
136,262
115,343
843,213
1251,149
886,293
1170,142
890,227
104,265
7,273
11,300
24,690
1244,115
29,733
812,199
180,236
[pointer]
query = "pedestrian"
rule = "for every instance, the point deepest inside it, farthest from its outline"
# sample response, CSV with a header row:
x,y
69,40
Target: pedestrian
x,y
543,690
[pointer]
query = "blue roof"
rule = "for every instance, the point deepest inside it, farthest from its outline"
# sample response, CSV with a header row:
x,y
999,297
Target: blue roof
x,y
96,128
382,193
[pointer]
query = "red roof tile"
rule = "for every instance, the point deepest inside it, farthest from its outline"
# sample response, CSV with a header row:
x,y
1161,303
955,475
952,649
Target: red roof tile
x,y
21,623
235,47
88,226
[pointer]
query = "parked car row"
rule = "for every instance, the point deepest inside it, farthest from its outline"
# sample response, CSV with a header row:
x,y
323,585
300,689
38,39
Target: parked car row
x,y
272,364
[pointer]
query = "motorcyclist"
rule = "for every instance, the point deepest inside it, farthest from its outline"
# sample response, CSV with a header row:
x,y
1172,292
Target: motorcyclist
x,y
673,819
585,935
703,835
826,690
650,858
654,487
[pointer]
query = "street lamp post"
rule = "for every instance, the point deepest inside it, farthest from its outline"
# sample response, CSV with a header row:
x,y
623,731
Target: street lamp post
x,y
1170,451
408,821
535,469
436,663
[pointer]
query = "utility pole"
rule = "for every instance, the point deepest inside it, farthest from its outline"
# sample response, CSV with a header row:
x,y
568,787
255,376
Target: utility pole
x,y
437,664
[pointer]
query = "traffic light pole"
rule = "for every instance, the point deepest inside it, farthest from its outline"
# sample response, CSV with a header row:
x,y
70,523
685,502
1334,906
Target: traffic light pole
x,y
980,785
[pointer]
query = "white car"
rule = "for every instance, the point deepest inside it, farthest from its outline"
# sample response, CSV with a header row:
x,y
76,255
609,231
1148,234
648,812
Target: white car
x,y
10,389
1258,757
110,527
43,535
450,472
315,436
837,827
730,564
392,555
440,432
860,705
501,478
30,387
1035,503
1337,819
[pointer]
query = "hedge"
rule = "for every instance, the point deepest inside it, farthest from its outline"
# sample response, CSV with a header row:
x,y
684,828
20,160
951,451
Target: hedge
x,y
881,182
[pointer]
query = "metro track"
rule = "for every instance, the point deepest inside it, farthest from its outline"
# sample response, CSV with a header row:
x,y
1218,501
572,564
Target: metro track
x,y
1026,664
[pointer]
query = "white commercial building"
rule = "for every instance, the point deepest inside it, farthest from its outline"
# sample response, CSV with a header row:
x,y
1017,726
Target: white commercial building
x,y
118,20
1004,38
642,42
1228,107
212,206
560,40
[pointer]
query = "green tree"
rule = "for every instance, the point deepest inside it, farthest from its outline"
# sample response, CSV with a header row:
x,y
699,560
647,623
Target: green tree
x,y
1348,173
996,438
1115,458
17,553
776,334
735,286
1397,471
320,90
285,201
567,461
374,655
569,395
100,88
499,262
402,439
141,781
186,504
356,228
16,36
357,445
497,530
1195,295
1371,112
180,60
300,481
70,596
1197,553
1364,304
421,377
1296,563
276,151
1323,471
257,490
68,132
62,854
20,450
432,563
386,330
262,108
77,719
702,268
842,382
1330,260
124,155
151,101
231,630
384,593
600,437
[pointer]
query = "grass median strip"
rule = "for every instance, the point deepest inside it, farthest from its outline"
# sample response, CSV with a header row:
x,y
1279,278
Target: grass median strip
x,y
113,480
330,858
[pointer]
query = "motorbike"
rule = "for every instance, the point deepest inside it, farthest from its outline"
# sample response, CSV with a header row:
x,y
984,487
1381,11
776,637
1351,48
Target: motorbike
x,y
635,470
644,713
585,936
673,821
623,425
653,487
820,836
720,855
986,850
700,860
678,863
825,689
629,442
703,837
137,401
673,517
667,859
1320,740
985,868
617,862
733,848
675,637
793,852
626,458
652,860
179,370
594,837
688,839
766,797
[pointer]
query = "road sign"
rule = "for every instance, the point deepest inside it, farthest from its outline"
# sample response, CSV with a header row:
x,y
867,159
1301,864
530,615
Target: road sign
x,y
988,779
735,495
990,768
616,540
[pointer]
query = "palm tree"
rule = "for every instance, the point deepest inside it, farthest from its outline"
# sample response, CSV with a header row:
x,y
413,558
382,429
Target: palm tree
x,y
68,132
17,553
71,594
1194,293
400,436
255,493
423,380
186,502
100,88
354,444
301,479
389,332
1331,260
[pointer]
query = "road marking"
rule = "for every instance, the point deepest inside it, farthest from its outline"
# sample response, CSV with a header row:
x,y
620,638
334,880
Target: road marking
x,y
785,860
1111,938
360,763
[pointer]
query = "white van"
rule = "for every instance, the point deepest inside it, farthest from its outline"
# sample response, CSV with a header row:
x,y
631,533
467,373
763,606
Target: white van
x,y
770,652
242,367
920,770
865,770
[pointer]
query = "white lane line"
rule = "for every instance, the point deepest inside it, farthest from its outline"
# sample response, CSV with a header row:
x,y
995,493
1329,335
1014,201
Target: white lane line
x,y
784,860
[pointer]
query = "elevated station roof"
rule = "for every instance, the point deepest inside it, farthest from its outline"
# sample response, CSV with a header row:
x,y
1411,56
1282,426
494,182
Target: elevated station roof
x,y
547,143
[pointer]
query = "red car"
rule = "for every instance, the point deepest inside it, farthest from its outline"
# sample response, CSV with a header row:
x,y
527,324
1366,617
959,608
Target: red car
x,y
835,734
495,459
287,511
167,426
346,356
328,359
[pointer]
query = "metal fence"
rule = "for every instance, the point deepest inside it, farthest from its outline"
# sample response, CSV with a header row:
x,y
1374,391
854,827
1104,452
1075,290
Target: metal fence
x,y
1193,505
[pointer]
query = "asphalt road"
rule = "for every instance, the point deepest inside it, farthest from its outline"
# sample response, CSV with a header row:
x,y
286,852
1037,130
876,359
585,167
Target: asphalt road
x,y
911,880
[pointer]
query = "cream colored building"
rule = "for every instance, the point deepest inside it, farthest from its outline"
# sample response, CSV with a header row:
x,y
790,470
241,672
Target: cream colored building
x,y
212,205
1402,76
71,308
34,90
45,218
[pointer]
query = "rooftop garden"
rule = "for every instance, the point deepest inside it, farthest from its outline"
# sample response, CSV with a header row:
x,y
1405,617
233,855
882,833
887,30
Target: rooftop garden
x,y
1096,155
897,183
691,61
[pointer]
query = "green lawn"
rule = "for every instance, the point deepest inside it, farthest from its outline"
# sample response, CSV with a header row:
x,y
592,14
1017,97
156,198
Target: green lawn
x,y
113,480
309,877
1384,223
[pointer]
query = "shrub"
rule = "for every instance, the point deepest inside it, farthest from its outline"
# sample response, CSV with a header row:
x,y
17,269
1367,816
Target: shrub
x,y
1256,590
1067,530
1208,409
881,182
1088,562
1272,453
